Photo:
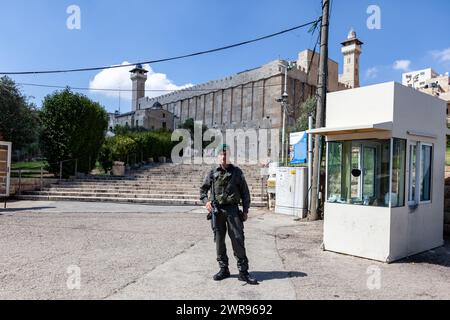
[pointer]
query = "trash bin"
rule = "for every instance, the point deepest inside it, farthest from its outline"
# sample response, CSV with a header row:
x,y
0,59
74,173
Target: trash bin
x,y
118,169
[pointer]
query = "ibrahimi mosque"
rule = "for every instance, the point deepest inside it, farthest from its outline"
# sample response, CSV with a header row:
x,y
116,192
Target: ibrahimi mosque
x,y
244,100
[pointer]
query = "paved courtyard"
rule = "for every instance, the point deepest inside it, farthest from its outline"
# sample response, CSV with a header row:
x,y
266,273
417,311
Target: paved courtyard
x,y
125,251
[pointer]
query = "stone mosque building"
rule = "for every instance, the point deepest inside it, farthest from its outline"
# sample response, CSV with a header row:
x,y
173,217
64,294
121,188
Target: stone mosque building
x,y
244,100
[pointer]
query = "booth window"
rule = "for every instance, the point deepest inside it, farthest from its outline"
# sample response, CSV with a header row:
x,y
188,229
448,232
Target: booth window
x,y
420,166
359,172
425,185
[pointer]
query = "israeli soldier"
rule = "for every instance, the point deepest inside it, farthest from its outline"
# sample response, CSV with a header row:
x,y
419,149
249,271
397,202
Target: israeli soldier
x,y
228,189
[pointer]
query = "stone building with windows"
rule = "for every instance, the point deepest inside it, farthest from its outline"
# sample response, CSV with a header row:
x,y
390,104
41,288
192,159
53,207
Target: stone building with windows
x,y
154,118
247,99
430,82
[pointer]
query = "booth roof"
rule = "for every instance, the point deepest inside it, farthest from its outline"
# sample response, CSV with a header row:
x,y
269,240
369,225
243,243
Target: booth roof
x,y
375,127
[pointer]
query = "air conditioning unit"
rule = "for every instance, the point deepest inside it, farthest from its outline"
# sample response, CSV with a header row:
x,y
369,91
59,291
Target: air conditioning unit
x,y
292,191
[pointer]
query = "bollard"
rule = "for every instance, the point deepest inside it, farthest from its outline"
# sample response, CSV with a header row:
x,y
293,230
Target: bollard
x,y
76,167
20,182
60,171
42,177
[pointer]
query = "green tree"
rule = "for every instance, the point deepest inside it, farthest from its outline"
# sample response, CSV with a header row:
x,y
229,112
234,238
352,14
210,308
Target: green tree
x,y
307,108
19,122
73,127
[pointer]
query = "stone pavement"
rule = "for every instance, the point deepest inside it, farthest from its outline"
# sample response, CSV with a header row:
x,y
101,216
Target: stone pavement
x,y
188,275
127,251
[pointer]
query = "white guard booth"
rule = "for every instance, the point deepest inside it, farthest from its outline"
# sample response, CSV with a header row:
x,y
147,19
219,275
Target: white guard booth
x,y
385,172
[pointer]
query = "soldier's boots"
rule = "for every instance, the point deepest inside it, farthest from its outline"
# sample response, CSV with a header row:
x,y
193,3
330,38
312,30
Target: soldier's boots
x,y
222,274
245,277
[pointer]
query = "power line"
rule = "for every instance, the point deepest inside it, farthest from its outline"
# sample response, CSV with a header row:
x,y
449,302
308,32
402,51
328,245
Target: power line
x,y
165,59
188,89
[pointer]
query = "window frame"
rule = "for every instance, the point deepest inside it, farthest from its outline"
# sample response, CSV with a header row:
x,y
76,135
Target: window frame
x,y
422,144
419,172
362,144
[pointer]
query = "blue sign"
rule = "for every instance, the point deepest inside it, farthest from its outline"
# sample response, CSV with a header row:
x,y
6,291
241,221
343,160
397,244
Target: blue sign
x,y
298,147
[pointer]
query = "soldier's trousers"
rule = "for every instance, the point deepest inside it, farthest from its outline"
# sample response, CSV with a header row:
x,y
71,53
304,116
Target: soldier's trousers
x,y
228,219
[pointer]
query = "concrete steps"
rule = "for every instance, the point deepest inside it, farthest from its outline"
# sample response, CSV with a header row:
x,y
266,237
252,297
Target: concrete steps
x,y
121,194
192,192
159,185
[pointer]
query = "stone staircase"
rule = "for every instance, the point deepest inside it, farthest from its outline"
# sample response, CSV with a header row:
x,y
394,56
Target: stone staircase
x,y
165,184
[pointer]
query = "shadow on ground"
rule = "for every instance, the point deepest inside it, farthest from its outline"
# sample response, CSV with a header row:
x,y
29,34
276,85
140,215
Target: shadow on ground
x,y
439,256
8,210
275,275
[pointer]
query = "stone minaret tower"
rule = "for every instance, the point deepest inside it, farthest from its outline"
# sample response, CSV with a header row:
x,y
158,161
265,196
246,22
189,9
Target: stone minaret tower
x,y
138,79
351,49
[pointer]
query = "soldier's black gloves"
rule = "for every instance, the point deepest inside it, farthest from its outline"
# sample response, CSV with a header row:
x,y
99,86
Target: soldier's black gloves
x,y
243,216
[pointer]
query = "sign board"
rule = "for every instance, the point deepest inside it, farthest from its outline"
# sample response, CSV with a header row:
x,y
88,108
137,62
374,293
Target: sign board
x,y
298,147
5,165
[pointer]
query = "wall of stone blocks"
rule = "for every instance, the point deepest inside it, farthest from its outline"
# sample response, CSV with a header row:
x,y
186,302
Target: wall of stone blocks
x,y
244,105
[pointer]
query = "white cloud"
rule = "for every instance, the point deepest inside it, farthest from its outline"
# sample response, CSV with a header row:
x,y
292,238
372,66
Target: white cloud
x,y
372,73
119,78
402,65
441,55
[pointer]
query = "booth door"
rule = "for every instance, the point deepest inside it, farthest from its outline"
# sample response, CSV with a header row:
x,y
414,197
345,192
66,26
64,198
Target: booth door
x,y
420,157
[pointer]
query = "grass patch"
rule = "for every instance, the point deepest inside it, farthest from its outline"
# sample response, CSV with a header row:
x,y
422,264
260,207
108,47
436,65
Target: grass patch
x,y
34,165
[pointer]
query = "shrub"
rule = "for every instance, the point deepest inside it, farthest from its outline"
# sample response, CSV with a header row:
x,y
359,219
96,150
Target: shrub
x,y
73,127
136,146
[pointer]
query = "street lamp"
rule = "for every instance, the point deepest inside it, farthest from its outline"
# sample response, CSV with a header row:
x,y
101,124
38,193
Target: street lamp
x,y
284,103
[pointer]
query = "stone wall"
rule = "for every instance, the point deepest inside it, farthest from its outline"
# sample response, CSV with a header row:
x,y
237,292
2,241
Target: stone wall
x,y
245,100
29,184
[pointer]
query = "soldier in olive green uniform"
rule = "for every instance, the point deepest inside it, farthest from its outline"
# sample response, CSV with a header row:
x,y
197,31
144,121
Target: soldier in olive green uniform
x,y
228,188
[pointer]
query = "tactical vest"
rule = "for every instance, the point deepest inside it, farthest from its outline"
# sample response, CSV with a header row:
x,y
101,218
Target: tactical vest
x,y
226,187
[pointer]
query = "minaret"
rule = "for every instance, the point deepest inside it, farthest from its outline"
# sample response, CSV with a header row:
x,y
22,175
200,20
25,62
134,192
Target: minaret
x,y
351,49
138,79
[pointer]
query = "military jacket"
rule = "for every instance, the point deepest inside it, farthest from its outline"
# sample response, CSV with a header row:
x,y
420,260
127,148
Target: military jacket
x,y
230,187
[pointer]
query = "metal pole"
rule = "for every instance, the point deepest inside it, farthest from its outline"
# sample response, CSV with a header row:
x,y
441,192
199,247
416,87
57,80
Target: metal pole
x,y
20,182
60,170
321,105
42,177
284,111
89,165
76,168
310,156
283,138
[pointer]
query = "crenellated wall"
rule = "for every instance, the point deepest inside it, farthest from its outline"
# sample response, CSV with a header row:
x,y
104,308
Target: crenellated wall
x,y
247,99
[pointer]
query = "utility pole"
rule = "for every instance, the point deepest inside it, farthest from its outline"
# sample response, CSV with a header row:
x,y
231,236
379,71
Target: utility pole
x,y
321,105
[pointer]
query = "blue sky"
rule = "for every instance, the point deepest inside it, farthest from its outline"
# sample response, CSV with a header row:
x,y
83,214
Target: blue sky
x,y
34,37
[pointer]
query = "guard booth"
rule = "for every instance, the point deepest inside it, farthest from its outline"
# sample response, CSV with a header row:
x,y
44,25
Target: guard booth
x,y
5,165
385,172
